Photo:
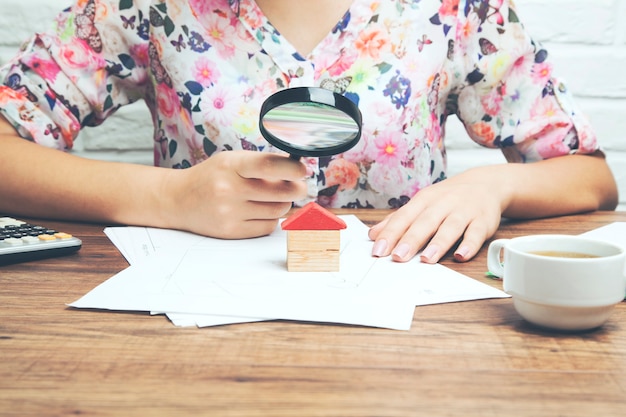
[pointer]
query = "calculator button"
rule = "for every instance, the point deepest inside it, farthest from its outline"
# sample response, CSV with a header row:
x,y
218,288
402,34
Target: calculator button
x,y
10,221
46,237
13,241
61,235
30,239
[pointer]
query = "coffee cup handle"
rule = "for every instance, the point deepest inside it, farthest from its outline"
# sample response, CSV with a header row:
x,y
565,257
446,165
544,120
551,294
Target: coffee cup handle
x,y
495,265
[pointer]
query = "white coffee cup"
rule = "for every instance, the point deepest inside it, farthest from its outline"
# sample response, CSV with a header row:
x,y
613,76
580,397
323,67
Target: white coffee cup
x,y
555,291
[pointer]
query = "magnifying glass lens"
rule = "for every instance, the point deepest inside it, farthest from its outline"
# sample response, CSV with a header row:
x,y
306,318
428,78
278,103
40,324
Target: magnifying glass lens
x,y
310,126
309,121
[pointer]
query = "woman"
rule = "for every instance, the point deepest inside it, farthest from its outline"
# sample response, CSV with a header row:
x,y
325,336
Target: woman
x,y
205,66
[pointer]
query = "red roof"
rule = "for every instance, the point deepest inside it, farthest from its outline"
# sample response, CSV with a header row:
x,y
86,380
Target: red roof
x,y
313,217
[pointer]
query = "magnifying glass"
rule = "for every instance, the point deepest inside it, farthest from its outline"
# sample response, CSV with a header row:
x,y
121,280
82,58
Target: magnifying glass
x,y
310,121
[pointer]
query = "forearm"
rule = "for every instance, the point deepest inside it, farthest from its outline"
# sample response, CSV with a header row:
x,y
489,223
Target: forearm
x,y
43,182
232,195
557,186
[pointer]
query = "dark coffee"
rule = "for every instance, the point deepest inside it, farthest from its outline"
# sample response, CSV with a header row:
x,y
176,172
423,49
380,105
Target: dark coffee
x,y
563,254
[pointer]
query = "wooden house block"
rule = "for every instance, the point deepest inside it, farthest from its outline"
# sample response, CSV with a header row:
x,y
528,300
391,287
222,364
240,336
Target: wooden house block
x,y
313,239
319,240
313,250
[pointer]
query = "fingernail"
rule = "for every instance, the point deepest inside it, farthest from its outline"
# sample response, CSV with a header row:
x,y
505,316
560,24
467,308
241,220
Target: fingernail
x,y
428,253
462,252
401,251
380,247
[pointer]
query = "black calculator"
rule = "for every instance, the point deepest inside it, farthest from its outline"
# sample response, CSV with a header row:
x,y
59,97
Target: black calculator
x,y
21,241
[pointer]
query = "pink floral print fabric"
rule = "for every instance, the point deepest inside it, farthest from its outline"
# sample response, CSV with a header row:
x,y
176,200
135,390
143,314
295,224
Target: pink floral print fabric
x,y
204,67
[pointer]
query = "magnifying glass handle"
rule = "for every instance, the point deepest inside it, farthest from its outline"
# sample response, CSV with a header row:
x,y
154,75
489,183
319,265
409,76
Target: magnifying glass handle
x,y
294,157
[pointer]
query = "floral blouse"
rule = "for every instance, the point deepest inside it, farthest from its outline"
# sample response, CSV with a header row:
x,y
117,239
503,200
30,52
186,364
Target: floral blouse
x,y
204,67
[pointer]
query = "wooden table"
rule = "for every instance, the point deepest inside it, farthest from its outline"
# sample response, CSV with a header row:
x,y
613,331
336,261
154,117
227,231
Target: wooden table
x,y
474,358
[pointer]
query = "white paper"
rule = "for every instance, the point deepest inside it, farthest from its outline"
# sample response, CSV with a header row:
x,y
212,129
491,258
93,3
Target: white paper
x,y
613,232
206,281
138,243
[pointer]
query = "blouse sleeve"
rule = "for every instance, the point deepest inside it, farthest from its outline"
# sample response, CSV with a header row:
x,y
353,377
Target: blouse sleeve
x,y
507,95
92,63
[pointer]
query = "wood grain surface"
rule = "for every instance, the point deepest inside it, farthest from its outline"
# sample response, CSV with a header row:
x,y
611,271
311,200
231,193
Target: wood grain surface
x,y
476,358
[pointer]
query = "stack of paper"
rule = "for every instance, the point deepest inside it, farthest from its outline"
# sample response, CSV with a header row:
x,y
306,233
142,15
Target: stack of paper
x,y
613,232
203,281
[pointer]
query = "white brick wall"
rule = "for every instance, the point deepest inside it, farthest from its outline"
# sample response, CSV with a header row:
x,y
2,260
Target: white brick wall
x,y
587,38
125,137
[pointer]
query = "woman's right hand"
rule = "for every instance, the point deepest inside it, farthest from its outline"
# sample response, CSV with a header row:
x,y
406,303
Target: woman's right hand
x,y
234,194
231,195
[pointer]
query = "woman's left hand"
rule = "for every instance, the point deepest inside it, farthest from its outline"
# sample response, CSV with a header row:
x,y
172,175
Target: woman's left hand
x,y
467,207
436,218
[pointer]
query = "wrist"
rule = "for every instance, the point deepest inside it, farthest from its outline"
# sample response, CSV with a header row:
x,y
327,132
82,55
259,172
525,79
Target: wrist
x,y
167,195
498,181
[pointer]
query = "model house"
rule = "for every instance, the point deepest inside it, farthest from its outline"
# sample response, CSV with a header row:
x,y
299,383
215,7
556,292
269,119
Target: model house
x,y
313,239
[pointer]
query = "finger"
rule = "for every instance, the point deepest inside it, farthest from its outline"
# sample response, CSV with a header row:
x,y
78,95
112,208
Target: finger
x,y
449,232
473,239
269,167
385,235
389,233
246,229
252,219
267,210
375,230
416,236
381,246
257,190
